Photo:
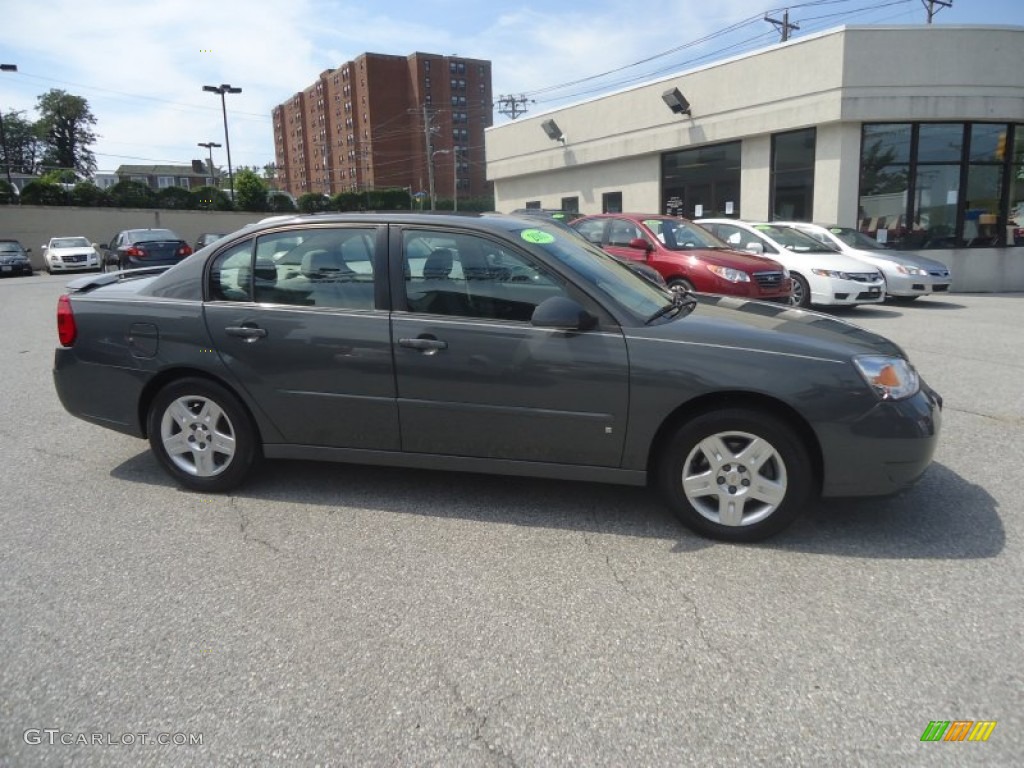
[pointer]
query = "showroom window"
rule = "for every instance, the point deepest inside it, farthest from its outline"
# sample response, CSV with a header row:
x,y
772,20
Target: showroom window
x,y
792,182
942,185
571,204
611,202
701,182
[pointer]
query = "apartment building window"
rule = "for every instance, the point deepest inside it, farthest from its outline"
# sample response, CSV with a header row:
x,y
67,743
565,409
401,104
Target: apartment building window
x,y
426,82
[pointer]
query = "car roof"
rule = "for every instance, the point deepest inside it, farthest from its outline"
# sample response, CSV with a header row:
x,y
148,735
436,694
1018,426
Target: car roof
x,y
503,221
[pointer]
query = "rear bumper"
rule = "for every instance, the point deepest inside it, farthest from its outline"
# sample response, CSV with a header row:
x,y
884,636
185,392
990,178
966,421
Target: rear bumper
x,y
102,394
886,450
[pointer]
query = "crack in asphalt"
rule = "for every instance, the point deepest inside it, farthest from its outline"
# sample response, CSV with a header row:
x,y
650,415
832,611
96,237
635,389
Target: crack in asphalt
x,y
1001,419
478,721
243,528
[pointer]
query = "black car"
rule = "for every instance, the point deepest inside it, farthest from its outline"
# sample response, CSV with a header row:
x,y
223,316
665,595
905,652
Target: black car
x,y
133,248
14,259
489,343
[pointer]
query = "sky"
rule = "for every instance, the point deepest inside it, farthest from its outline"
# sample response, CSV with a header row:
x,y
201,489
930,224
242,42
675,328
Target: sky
x,y
141,64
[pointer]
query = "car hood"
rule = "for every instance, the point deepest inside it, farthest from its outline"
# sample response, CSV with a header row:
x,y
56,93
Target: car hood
x,y
764,327
903,258
748,262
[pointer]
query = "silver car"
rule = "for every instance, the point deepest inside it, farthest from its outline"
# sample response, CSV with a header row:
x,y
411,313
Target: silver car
x,y
907,275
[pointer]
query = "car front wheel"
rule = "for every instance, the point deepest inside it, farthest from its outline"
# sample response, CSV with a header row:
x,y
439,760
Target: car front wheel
x,y
202,435
736,474
801,292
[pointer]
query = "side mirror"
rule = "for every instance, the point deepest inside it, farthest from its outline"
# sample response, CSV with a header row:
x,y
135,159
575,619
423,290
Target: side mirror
x,y
43,247
95,245
641,244
755,247
28,250
562,314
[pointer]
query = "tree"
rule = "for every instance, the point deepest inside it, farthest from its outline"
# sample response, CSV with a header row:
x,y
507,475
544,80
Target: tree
x,y
132,194
87,194
65,130
175,198
43,193
250,191
313,202
278,202
211,199
23,146
59,176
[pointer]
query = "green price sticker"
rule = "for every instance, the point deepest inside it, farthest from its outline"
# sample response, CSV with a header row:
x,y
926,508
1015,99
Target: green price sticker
x,y
537,236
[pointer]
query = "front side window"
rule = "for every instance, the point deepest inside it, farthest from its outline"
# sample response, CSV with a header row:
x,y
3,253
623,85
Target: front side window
x,y
465,275
679,235
622,232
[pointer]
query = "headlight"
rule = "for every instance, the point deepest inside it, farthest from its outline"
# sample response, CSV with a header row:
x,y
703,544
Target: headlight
x,y
831,273
892,378
910,270
727,273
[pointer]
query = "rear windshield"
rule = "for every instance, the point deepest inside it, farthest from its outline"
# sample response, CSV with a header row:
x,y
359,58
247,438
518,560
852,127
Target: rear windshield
x,y
149,235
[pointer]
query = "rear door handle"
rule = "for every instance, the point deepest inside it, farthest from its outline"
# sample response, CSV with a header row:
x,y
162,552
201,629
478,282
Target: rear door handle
x,y
427,346
248,332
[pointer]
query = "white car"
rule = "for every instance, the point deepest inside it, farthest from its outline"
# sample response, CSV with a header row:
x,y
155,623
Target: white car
x,y
821,275
67,254
907,275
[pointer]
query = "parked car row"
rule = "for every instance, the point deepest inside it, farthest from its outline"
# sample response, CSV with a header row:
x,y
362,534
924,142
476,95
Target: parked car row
x,y
490,343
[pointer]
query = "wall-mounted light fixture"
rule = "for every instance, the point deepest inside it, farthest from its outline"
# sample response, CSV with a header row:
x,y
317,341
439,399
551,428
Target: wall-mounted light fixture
x,y
676,101
553,131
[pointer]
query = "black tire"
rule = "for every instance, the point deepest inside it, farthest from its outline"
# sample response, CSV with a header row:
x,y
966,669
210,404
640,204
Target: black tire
x,y
762,494
801,291
202,414
680,285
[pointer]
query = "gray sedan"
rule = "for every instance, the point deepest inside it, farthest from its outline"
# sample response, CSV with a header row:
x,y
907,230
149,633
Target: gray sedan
x,y
495,344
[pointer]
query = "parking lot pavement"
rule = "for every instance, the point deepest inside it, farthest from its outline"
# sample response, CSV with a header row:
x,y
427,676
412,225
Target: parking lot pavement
x,y
353,615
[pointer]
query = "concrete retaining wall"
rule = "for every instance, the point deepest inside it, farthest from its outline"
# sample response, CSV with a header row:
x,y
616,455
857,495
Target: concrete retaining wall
x,y
34,225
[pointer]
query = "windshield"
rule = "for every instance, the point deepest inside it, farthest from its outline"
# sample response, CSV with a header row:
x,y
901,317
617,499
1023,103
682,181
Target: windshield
x,y
608,275
793,239
69,242
856,239
679,235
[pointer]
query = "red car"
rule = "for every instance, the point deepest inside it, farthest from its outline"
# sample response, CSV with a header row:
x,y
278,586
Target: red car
x,y
688,256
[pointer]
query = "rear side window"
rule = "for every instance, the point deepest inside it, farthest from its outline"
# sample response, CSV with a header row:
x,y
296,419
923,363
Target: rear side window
x,y
231,274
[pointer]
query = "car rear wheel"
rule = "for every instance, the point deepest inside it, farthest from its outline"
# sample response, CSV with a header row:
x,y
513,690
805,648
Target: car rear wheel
x,y
679,285
736,474
202,435
801,291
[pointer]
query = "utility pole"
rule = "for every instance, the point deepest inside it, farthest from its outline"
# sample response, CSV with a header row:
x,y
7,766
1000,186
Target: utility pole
x,y
513,106
783,25
929,5
430,155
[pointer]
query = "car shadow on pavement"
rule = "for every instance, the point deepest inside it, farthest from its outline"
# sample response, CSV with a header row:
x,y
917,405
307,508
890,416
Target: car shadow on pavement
x,y
943,517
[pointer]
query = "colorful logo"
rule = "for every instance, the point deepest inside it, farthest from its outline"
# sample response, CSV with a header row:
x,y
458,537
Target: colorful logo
x,y
958,730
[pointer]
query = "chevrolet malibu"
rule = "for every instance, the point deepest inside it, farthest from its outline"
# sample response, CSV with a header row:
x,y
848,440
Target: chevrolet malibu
x,y
488,343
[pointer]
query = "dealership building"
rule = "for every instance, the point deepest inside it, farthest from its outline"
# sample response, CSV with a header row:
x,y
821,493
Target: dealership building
x,y
913,134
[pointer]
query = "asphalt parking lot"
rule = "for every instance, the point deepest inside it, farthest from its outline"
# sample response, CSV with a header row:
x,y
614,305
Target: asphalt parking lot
x,y
345,615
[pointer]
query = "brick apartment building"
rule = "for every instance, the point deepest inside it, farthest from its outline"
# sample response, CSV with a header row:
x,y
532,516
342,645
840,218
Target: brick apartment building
x,y
364,125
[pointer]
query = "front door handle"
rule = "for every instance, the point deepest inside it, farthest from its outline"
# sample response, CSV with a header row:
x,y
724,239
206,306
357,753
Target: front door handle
x,y
248,332
426,346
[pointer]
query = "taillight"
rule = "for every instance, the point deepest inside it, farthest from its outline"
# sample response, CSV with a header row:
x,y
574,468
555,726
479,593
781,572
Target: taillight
x,y
185,250
135,251
67,331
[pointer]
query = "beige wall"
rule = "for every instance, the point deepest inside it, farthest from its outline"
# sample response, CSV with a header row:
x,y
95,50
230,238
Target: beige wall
x,y
34,225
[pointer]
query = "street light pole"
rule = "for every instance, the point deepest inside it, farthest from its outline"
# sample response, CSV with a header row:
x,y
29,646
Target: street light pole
x,y
222,89
3,136
210,145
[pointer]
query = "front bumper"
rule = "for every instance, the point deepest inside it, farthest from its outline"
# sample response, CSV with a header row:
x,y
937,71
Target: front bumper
x,y
838,292
916,285
17,268
92,262
884,451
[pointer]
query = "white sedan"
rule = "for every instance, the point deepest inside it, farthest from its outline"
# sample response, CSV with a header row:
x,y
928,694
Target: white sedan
x,y
821,275
69,254
907,275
